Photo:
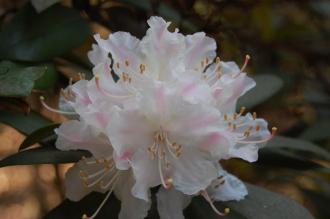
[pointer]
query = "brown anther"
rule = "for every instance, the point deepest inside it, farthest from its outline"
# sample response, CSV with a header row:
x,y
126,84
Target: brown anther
x,y
242,110
234,116
246,133
126,62
258,128
142,68
117,65
206,61
274,130
225,117
254,115
234,126
217,60
229,124
82,174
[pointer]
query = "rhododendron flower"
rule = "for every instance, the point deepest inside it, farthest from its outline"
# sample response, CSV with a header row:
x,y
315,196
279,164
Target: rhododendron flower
x,y
168,120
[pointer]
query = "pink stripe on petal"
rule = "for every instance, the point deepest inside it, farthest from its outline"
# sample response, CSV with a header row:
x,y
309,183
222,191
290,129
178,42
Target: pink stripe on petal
x,y
212,139
101,119
188,88
127,155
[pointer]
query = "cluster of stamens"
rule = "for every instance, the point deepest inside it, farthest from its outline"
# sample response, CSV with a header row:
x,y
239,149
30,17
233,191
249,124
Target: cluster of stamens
x,y
249,131
96,178
159,149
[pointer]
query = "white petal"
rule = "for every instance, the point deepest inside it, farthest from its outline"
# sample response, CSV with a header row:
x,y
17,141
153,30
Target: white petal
x,y
199,47
74,185
247,147
170,203
129,130
146,174
193,171
73,135
231,85
98,55
163,49
131,207
194,89
232,189
123,47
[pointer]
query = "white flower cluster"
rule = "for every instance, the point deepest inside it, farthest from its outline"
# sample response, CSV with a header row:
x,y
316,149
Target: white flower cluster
x,y
168,120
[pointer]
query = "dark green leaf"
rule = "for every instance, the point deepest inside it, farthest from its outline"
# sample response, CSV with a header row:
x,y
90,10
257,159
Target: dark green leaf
x,y
68,209
267,85
23,123
297,144
30,36
48,79
261,203
17,80
319,131
39,135
43,155
280,157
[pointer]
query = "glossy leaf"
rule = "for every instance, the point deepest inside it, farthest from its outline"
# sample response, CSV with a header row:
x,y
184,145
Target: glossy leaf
x,y
18,80
43,155
267,86
22,122
39,135
49,78
259,204
30,36
297,144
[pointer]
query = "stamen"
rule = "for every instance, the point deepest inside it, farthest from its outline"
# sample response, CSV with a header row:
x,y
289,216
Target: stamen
x,y
246,62
117,65
274,130
217,60
106,93
142,68
126,62
169,182
42,100
225,117
112,180
254,115
209,200
242,110
206,61
102,204
161,171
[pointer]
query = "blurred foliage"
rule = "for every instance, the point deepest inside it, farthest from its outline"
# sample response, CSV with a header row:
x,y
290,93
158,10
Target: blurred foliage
x,y
290,50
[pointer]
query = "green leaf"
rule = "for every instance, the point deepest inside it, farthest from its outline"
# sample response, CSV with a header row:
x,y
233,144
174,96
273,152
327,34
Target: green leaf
x,y
298,145
68,209
281,157
267,85
22,122
39,135
18,80
30,36
43,155
258,204
261,203
49,78
319,131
